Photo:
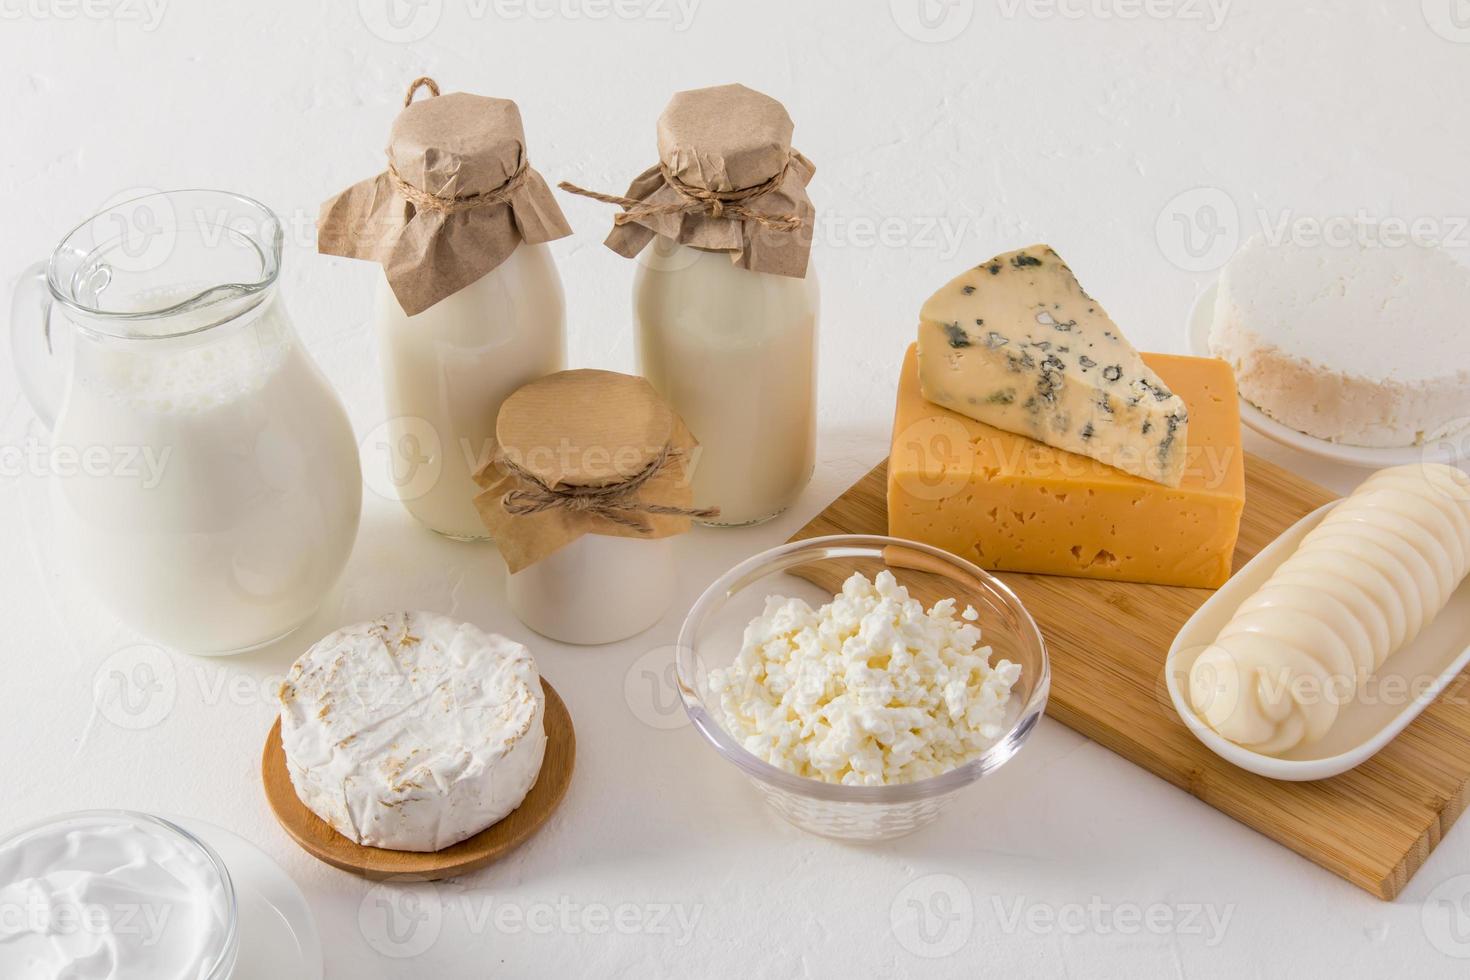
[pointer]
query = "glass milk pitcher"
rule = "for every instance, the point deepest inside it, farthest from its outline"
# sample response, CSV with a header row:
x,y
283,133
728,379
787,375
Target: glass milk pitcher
x,y
205,479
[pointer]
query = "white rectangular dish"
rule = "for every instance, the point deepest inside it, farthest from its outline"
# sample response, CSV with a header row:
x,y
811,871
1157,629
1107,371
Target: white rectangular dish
x,y
1409,681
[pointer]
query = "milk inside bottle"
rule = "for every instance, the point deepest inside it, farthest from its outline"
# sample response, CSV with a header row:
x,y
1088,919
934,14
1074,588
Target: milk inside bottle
x,y
468,305
725,302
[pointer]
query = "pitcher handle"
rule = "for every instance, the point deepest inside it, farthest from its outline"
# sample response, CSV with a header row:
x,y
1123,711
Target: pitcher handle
x,y
31,344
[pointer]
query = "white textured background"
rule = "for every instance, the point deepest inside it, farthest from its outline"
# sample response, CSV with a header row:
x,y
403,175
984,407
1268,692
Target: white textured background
x,y
1002,123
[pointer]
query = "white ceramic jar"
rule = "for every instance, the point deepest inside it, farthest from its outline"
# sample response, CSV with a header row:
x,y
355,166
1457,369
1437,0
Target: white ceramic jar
x,y
734,352
593,485
596,590
447,370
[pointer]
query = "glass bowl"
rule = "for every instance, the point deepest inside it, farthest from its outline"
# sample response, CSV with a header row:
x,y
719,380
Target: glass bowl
x,y
814,570
134,911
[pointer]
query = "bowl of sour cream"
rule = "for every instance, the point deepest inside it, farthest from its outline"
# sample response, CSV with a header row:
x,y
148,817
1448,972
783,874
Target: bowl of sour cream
x,y
115,895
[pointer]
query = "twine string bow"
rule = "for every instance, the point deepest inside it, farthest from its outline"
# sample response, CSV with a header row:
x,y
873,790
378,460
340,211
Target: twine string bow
x,y
716,204
616,503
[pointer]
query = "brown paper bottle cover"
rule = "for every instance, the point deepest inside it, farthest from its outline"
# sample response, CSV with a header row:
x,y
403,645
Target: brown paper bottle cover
x,y
727,180
459,196
586,452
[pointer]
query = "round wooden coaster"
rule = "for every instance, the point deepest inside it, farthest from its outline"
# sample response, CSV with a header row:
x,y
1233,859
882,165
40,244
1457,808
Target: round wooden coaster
x,y
318,839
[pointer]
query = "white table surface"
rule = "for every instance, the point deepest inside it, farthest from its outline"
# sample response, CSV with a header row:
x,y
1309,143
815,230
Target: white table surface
x,y
1079,123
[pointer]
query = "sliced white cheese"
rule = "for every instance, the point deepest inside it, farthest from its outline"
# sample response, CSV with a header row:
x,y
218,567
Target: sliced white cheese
x,y
414,731
1017,343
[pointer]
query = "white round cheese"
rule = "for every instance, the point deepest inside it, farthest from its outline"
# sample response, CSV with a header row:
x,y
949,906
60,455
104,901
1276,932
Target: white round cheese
x,y
1358,344
414,731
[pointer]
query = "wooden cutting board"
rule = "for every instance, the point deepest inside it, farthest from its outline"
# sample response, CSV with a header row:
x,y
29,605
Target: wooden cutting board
x,y
1374,826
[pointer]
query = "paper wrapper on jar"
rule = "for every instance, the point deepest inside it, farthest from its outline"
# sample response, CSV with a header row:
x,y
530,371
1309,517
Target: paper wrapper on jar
x,y
727,180
458,197
586,452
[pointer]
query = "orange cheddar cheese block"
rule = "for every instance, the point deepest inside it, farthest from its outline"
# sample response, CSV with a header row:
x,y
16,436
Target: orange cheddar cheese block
x,y
1007,502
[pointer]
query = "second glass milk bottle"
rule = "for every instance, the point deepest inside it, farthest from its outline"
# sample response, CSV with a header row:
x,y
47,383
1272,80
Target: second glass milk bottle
x,y
725,302
469,306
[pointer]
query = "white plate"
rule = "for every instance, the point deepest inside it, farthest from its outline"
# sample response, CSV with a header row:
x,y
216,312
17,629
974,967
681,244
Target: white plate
x,y
1441,451
1407,683
278,936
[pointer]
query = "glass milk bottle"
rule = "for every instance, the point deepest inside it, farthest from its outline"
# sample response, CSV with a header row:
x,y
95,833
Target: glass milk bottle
x,y
725,301
222,493
469,306
588,489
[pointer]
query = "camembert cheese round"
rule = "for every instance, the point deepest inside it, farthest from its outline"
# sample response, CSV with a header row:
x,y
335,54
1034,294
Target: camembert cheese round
x,y
1365,345
414,731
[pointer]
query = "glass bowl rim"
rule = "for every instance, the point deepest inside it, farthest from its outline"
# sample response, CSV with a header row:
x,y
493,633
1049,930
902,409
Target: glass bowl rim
x,y
787,556
223,963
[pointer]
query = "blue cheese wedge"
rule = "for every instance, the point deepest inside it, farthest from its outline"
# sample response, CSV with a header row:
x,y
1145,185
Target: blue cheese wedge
x,y
1017,343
